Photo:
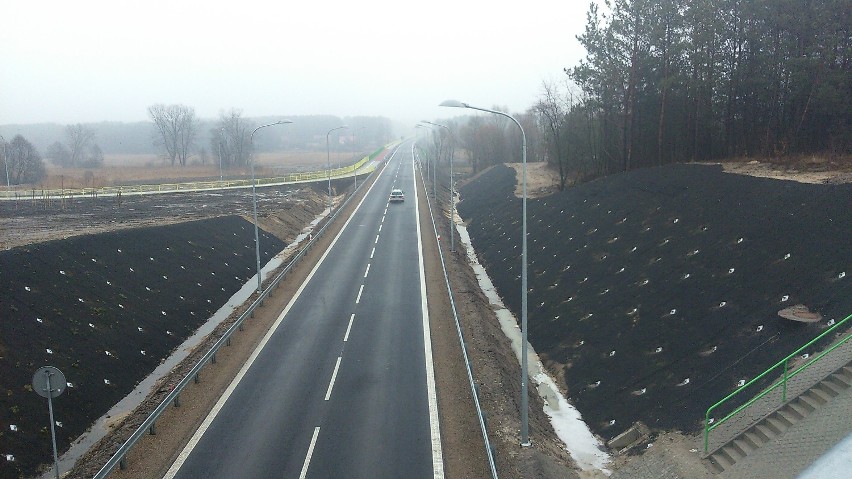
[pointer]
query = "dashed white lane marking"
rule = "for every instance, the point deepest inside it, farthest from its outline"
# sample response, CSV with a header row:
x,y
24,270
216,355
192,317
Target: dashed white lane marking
x,y
333,377
386,210
380,228
358,299
193,441
372,253
368,270
304,472
349,328
377,239
383,219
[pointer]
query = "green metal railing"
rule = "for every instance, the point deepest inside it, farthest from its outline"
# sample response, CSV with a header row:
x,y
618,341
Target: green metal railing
x,y
782,383
193,186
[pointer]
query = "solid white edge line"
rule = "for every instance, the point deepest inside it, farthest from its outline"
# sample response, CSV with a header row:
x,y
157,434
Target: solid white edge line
x,y
333,377
349,328
368,270
358,299
434,424
193,441
304,473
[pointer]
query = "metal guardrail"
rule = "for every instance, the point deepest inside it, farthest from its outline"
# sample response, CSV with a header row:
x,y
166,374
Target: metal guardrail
x,y
474,390
120,456
782,383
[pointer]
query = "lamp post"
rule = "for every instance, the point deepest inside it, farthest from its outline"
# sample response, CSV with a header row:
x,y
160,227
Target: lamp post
x,y
525,438
429,161
328,163
452,186
254,198
8,184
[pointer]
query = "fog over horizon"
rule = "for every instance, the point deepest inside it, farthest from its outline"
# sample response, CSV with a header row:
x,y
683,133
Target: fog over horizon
x,y
95,61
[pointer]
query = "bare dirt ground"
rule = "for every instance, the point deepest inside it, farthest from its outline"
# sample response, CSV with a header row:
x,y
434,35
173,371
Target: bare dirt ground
x,y
543,180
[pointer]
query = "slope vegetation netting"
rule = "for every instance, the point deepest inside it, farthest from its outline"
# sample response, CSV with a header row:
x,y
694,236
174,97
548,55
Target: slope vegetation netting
x,y
657,291
106,309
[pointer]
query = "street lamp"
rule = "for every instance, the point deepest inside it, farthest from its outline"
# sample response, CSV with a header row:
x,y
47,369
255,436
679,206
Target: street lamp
x,y
254,197
452,186
525,438
328,163
428,161
8,184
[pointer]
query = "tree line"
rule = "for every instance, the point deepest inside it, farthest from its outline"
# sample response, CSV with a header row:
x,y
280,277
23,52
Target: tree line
x,y
180,138
668,81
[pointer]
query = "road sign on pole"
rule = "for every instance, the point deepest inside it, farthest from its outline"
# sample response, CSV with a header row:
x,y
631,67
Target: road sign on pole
x,y
49,382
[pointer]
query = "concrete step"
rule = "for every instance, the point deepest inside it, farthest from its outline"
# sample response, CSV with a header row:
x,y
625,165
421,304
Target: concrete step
x,y
785,418
837,382
775,423
803,405
843,378
811,400
828,388
794,415
754,441
819,395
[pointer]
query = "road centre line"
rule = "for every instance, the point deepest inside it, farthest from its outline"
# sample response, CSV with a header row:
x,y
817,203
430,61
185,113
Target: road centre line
x,y
358,299
349,328
368,270
304,472
333,377
211,416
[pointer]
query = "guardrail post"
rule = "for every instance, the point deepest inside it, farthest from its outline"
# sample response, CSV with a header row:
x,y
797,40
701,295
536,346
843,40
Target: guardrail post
x,y
153,429
177,401
197,378
213,359
122,464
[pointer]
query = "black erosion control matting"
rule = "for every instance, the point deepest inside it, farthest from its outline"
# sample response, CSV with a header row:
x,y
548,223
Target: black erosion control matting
x,y
106,309
656,292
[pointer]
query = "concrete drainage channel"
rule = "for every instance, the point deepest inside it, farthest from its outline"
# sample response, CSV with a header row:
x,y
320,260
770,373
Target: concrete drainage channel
x,y
149,425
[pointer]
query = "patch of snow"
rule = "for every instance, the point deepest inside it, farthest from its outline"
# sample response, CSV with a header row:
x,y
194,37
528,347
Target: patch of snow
x,y
585,448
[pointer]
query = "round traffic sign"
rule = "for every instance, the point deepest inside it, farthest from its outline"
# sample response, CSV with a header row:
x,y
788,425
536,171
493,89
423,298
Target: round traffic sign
x,y
48,382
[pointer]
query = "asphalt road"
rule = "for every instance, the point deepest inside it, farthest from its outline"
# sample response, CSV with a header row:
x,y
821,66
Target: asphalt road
x,y
342,385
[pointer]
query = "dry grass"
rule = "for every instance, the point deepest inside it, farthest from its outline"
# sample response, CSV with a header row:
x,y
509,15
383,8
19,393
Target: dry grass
x,y
145,168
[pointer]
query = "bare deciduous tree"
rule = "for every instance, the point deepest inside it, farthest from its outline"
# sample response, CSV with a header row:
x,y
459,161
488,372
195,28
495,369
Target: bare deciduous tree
x,y
25,163
58,154
553,109
80,138
176,129
237,131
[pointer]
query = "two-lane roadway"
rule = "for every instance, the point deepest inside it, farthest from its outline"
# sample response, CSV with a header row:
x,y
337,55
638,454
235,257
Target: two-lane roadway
x,y
342,385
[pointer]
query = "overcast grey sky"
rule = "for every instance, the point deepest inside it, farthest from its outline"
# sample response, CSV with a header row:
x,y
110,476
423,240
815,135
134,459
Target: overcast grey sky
x,y
90,61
